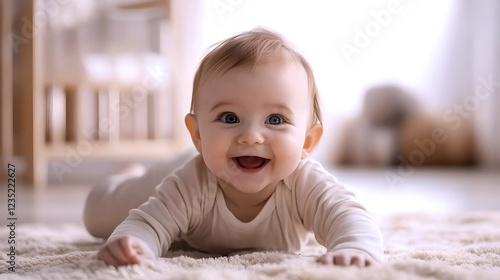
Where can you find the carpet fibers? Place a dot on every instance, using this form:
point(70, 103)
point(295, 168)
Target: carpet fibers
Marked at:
point(417, 246)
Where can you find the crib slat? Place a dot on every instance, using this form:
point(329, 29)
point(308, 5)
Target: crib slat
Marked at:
point(56, 115)
point(126, 115)
point(102, 115)
point(6, 98)
point(28, 86)
point(114, 114)
point(140, 115)
point(72, 109)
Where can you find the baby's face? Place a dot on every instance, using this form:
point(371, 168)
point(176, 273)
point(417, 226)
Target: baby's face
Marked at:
point(253, 123)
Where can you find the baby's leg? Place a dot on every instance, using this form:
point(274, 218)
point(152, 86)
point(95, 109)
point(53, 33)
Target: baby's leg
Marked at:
point(109, 202)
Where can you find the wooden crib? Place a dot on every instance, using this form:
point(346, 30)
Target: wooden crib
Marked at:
point(52, 119)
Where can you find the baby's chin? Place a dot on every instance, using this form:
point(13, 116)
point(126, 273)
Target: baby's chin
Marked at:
point(243, 182)
point(249, 188)
point(244, 185)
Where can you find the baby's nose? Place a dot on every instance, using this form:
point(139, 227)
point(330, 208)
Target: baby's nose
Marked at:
point(251, 136)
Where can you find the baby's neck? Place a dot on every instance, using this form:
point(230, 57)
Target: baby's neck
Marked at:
point(246, 200)
point(246, 206)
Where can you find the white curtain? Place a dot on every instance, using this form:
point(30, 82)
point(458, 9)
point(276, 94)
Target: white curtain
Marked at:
point(466, 76)
point(486, 38)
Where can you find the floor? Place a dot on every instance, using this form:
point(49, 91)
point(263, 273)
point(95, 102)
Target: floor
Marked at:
point(380, 190)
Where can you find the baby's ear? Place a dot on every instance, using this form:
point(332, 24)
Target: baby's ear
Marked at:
point(312, 139)
point(194, 130)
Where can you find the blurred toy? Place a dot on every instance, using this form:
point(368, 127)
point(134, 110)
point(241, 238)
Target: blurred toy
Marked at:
point(393, 130)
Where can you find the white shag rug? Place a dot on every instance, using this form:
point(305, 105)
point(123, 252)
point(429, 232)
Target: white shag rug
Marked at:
point(418, 246)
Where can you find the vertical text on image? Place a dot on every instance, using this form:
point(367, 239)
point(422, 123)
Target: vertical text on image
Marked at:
point(11, 217)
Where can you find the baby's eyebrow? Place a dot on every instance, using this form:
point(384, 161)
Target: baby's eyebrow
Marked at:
point(219, 104)
point(281, 107)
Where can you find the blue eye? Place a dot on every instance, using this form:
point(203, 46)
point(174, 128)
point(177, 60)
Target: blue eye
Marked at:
point(274, 120)
point(229, 118)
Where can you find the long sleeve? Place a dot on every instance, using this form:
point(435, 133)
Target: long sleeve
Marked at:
point(170, 213)
point(337, 219)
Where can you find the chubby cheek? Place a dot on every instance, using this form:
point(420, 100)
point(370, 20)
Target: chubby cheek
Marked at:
point(287, 151)
point(215, 146)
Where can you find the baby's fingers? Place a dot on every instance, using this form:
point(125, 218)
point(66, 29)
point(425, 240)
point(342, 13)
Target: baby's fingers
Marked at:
point(358, 261)
point(331, 259)
point(342, 260)
point(325, 259)
point(107, 257)
point(120, 251)
point(128, 251)
point(345, 259)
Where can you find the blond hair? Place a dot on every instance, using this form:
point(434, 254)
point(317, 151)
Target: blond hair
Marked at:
point(249, 48)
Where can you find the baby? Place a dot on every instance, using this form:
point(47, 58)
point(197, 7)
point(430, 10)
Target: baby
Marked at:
point(255, 119)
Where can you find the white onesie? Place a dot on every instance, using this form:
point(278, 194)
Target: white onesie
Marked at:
point(189, 205)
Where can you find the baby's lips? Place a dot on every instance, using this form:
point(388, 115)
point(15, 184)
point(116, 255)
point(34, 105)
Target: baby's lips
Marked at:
point(250, 162)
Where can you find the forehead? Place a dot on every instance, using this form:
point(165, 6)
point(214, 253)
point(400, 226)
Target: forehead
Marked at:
point(272, 81)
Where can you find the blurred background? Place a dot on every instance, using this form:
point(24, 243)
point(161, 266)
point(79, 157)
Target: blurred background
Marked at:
point(410, 90)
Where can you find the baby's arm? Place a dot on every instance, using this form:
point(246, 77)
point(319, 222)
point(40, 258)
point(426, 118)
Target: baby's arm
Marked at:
point(145, 233)
point(339, 222)
point(149, 230)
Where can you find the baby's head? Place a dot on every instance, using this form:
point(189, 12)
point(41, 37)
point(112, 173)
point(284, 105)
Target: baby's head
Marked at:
point(255, 111)
point(249, 49)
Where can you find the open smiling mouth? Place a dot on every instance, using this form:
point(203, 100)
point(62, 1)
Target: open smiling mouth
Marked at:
point(250, 163)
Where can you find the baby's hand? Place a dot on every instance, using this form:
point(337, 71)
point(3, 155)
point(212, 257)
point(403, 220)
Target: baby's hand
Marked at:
point(124, 250)
point(347, 257)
